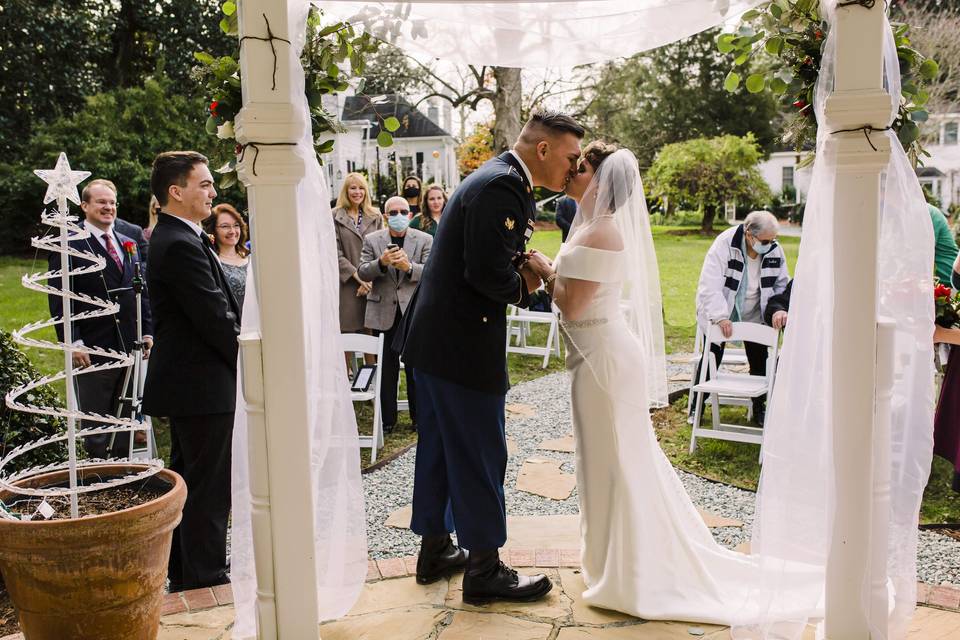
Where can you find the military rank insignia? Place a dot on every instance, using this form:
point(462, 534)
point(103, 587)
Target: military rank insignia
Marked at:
point(509, 224)
point(529, 231)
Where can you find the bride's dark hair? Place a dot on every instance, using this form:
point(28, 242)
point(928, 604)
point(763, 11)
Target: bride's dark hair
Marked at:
point(598, 151)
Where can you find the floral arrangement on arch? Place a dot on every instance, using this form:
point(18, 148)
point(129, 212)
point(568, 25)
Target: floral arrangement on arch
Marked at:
point(788, 36)
point(330, 50)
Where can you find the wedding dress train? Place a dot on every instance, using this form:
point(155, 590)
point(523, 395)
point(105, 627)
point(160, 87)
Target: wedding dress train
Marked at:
point(645, 549)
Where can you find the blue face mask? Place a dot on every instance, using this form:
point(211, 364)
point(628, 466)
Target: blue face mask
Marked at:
point(398, 223)
point(762, 248)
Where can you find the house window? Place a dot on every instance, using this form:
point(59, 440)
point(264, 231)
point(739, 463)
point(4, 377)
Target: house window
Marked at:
point(788, 176)
point(950, 133)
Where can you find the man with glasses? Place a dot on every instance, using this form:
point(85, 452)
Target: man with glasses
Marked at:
point(744, 268)
point(392, 259)
point(100, 391)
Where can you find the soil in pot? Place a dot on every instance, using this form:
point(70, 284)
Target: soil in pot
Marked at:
point(93, 503)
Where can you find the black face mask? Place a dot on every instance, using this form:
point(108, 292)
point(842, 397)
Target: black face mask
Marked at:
point(411, 192)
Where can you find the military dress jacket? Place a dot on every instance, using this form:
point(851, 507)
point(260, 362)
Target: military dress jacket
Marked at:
point(455, 325)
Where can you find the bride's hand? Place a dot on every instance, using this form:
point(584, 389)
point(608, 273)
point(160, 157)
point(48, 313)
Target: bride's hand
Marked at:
point(540, 264)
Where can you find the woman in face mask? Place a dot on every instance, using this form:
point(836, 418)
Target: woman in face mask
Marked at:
point(411, 191)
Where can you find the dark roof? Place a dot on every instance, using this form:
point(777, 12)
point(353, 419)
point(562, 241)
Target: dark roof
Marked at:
point(929, 172)
point(413, 124)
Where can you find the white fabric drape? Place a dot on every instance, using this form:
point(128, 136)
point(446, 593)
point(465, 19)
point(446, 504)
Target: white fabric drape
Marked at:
point(534, 34)
point(336, 487)
point(794, 518)
point(793, 521)
point(617, 188)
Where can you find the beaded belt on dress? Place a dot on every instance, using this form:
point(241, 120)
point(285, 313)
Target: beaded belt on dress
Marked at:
point(583, 324)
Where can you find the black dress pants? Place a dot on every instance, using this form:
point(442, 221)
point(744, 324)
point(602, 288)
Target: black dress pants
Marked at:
point(389, 376)
point(200, 452)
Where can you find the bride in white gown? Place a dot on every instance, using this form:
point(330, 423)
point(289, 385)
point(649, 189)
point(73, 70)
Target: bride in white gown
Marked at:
point(645, 549)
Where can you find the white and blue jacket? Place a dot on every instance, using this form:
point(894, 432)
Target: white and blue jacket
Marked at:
point(722, 274)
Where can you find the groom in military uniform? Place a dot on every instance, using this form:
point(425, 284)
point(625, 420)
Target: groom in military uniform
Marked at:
point(454, 337)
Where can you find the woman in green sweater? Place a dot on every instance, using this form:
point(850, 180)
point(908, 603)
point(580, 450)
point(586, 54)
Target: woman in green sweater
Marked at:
point(432, 202)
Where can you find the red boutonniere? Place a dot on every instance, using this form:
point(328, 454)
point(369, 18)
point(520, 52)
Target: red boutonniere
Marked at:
point(130, 248)
point(213, 107)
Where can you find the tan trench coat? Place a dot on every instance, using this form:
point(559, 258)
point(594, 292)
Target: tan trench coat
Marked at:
point(349, 245)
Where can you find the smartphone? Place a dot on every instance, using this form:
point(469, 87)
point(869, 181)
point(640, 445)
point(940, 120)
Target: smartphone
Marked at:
point(391, 246)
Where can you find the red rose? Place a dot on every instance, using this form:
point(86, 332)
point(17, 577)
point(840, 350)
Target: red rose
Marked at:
point(941, 291)
point(213, 107)
point(130, 248)
point(800, 104)
point(818, 34)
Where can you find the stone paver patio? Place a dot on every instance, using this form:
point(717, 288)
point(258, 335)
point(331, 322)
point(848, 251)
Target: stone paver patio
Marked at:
point(400, 609)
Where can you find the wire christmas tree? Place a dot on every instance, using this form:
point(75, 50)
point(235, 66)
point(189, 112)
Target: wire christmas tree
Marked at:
point(62, 186)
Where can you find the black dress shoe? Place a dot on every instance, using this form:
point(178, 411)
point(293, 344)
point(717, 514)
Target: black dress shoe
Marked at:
point(439, 558)
point(487, 579)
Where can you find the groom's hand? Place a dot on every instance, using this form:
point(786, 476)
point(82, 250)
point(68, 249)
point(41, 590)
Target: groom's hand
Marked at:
point(530, 278)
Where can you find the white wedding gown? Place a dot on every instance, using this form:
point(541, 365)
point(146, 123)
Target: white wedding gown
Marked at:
point(645, 550)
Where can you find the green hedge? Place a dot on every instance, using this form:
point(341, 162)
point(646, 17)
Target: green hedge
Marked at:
point(116, 136)
point(17, 428)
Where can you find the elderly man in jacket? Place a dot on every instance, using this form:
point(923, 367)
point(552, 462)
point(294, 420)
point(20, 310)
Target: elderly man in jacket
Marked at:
point(743, 269)
point(392, 259)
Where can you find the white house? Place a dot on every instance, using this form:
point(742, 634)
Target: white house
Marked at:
point(941, 171)
point(780, 170)
point(421, 146)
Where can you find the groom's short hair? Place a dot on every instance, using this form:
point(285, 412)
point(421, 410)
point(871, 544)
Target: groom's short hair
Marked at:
point(551, 122)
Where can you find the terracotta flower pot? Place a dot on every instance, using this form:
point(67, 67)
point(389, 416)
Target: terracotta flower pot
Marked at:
point(100, 577)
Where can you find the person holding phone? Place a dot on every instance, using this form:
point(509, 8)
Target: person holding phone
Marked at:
point(392, 260)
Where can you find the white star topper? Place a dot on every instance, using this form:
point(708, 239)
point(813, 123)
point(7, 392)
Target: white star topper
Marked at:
point(63, 182)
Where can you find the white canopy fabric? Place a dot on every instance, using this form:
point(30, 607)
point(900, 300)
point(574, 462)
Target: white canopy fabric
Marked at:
point(541, 34)
point(534, 34)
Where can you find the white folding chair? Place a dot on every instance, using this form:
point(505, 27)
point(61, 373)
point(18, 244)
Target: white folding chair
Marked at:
point(519, 329)
point(732, 357)
point(360, 343)
point(732, 385)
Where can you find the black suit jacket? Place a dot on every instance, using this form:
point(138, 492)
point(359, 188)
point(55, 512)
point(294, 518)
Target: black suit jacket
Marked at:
point(193, 365)
point(455, 325)
point(118, 331)
point(135, 232)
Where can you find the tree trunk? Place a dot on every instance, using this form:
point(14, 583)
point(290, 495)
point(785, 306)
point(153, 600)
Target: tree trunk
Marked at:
point(506, 108)
point(709, 213)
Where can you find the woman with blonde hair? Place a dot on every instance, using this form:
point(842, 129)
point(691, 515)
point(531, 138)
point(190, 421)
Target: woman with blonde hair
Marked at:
point(154, 212)
point(354, 217)
point(432, 202)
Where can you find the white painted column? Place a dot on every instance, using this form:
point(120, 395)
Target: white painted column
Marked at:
point(858, 100)
point(279, 436)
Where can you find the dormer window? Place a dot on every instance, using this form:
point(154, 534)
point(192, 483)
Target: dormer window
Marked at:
point(950, 132)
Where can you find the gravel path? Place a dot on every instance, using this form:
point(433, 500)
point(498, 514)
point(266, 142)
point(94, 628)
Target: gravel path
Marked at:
point(390, 488)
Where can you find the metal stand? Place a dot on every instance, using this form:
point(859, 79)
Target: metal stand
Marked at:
point(131, 398)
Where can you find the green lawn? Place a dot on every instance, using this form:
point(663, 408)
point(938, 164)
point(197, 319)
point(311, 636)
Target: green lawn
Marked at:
point(19, 306)
point(680, 253)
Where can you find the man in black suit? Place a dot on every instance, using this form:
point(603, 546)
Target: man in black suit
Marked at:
point(100, 391)
point(453, 337)
point(192, 377)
